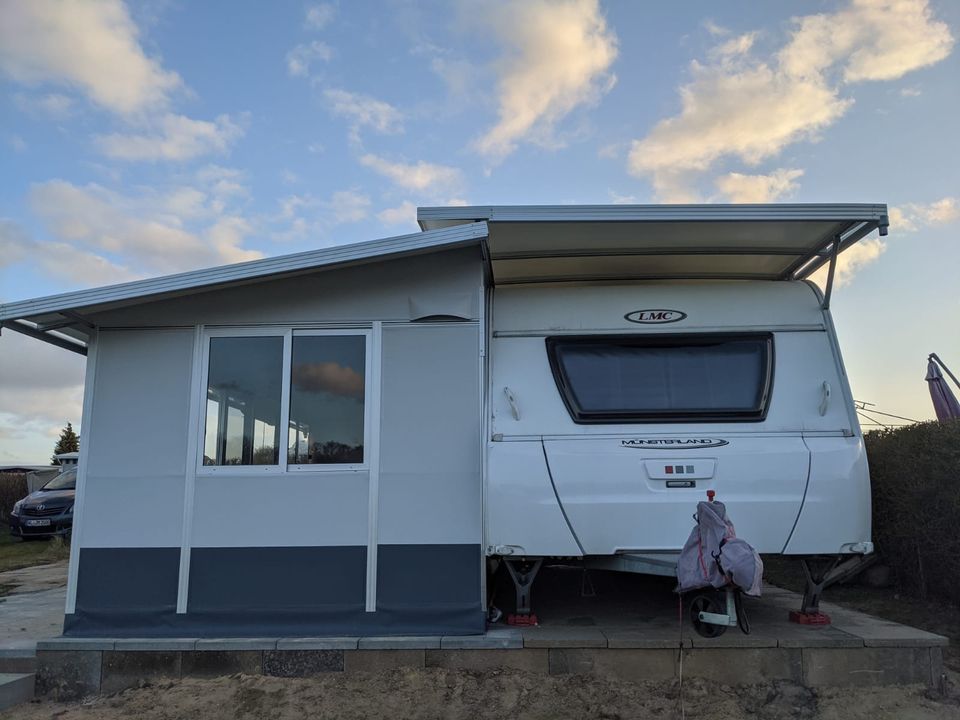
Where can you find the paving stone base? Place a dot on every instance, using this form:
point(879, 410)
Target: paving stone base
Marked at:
point(70, 674)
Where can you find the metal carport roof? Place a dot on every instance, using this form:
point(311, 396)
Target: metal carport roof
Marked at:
point(632, 242)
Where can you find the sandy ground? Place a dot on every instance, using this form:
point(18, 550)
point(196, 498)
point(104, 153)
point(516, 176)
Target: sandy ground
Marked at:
point(422, 694)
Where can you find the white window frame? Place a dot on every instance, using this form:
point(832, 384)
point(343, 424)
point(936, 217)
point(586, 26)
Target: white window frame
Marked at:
point(286, 333)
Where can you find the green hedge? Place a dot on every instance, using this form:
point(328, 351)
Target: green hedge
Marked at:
point(915, 472)
point(13, 487)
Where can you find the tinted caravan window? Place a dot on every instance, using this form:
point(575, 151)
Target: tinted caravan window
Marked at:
point(673, 378)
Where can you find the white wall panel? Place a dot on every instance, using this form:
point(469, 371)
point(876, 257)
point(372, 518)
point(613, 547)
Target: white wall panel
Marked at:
point(136, 439)
point(430, 435)
point(133, 511)
point(301, 509)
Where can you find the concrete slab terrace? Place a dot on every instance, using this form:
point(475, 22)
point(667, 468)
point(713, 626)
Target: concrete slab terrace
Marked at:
point(32, 610)
point(623, 626)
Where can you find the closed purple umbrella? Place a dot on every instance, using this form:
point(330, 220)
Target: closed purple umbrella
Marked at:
point(944, 401)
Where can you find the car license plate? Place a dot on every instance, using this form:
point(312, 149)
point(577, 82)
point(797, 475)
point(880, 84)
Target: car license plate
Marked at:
point(37, 523)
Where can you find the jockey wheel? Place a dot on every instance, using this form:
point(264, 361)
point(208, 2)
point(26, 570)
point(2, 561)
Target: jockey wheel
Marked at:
point(712, 606)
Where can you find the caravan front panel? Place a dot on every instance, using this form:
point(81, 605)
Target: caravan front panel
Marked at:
point(630, 401)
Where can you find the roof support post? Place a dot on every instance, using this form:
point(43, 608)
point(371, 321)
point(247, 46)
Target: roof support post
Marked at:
point(828, 291)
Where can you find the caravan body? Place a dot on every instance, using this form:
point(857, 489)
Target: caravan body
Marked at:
point(639, 356)
point(614, 407)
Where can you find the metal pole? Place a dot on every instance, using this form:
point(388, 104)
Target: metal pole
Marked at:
point(938, 361)
point(834, 251)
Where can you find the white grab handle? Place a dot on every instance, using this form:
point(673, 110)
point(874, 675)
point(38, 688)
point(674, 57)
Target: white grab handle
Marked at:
point(512, 399)
point(825, 398)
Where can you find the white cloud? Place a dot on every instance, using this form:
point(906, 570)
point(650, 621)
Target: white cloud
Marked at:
point(175, 137)
point(739, 45)
point(459, 75)
point(41, 389)
point(740, 188)
point(54, 105)
point(557, 56)
point(404, 214)
point(14, 243)
point(851, 261)
point(62, 261)
point(348, 206)
point(910, 92)
point(365, 111)
point(910, 217)
point(80, 267)
point(320, 15)
point(135, 234)
point(914, 216)
point(414, 176)
point(300, 58)
point(749, 108)
point(870, 40)
point(223, 183)
point(17, 143)
point(307, 216)
point(94, 47)
point(91, 46)
point(619, 199)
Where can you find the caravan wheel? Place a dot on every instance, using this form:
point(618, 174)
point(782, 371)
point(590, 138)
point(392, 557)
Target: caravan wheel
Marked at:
point(706, 603)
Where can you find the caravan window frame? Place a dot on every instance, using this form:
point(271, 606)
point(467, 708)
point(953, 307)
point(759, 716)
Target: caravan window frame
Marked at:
point(580, 417)
point(282, 466)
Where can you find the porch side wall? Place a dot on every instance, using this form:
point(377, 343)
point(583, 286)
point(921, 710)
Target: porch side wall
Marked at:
point(287, 554)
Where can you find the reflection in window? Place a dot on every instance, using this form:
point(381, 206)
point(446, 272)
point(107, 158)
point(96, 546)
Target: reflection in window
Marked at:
point(243, 401)
point(327, 399)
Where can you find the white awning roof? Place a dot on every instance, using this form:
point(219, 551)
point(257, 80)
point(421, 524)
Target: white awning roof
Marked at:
point(634, 242)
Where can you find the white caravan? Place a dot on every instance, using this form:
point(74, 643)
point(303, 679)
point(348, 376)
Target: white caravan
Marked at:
point(636, 365)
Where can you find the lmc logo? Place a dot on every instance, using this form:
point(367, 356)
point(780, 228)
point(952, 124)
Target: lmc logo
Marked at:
point(654, 317)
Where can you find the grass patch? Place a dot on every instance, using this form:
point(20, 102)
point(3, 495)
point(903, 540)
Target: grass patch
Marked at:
point(16, 554)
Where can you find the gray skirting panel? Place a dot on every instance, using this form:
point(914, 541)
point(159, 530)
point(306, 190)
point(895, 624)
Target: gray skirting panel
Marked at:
point(278, 591)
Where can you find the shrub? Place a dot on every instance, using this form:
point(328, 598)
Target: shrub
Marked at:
point(915, 472)
point(13, 487)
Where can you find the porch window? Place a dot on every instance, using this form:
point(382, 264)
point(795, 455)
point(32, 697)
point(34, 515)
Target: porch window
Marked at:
point(243, 401)
point(327, 392)
point(285, 399)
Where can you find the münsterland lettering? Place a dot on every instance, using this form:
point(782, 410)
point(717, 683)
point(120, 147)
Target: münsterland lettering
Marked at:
point(673, 443)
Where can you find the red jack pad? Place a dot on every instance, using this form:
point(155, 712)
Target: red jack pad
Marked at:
point(522, 620)
point(810, 618)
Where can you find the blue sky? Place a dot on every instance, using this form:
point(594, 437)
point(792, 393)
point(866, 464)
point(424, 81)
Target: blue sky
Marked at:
point(150, 137)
